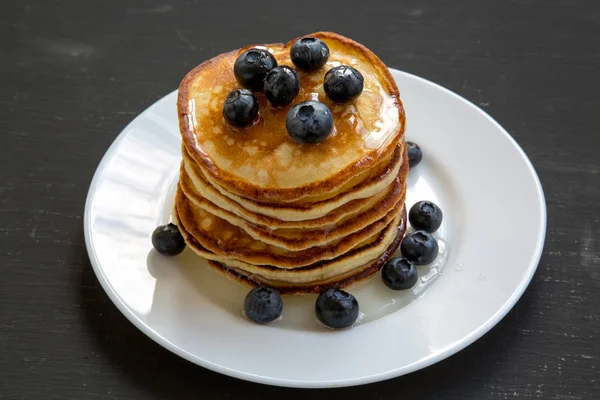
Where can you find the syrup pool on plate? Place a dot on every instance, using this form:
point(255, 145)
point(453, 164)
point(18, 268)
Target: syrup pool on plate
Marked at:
point(375, 299)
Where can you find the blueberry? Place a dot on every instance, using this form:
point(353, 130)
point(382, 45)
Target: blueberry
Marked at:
point(415, 155)
point(336, 308)
point(240, 108)
point(343, 84)
point(399, 274)
point(425, 216)
point(251, 68)
point(263, 305)
point(309, 122)
point(309, 53)
point(167, 240)
point(419, 247)
point(282, 86)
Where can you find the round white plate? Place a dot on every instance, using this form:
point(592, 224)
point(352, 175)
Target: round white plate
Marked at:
point(472, 168)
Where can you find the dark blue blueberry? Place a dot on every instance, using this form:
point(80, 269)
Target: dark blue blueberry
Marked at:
point(309, 122)
point(240, 108)
point(415, 155)
point(419, 247)
point(309, 53)
point(263, 305)
point(251, 68)
point(167, 240)
point(336, 308)
point(425, 216)
point(343, 84)
point(282, 86)
point(399, 274)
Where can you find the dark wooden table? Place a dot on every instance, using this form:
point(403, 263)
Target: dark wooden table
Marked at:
point(74, 73)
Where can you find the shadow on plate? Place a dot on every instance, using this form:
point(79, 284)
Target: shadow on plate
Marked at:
point(186, 279)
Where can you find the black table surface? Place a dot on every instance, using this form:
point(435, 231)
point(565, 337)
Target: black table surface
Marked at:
point(74, 73)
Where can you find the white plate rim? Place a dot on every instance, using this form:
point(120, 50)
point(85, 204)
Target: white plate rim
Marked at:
point(423, 363)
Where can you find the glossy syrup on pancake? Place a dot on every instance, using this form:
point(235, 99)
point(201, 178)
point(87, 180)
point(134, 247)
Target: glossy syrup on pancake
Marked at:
point(262, 162)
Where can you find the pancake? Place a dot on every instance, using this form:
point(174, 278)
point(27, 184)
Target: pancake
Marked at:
point(263, 209)
point(367, 251)
point(286, 286)
point(316, 277)
point(299, 238)
point(295, 212)
point(262, 162)
point(227, 240)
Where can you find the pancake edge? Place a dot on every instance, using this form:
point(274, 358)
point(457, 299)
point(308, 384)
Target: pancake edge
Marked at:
point(361, 276)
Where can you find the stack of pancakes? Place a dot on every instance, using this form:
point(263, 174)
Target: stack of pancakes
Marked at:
point(265, 210)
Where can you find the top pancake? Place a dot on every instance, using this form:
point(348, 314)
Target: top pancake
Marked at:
point(262, 162)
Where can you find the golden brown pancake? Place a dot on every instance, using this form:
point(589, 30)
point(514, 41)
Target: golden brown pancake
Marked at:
point(227, 240)
point(262, 162)
point(265, 210)
point(288, 286)
point(363, 253)
point(302, 238)
point(300, 214)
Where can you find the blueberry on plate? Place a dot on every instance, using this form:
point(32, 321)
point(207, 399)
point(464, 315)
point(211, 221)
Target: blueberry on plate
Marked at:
point(251, 68)
point(419, 247)
point(425, 216)
point(309, 53)
point(399, 274)
point(263, 305)
point(343, 84)
point(167, 240)
point(282, 86)
point(309, 122)
point(415, 155)
point(240, 108)
point(336, 308)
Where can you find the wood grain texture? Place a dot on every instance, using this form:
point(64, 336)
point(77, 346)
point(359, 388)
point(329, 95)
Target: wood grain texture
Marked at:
point(74, 73)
